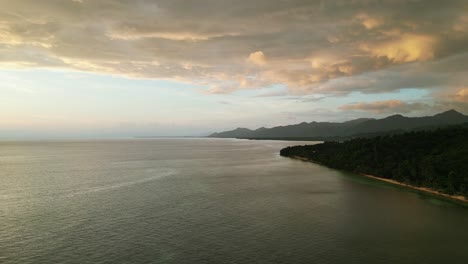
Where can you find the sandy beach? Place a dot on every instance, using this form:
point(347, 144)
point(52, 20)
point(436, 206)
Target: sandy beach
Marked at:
point(423, 189)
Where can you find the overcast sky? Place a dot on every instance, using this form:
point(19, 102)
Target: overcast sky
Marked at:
point(98, 68)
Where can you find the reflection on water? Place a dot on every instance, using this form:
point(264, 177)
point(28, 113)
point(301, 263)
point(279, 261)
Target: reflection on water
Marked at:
point(209, 201)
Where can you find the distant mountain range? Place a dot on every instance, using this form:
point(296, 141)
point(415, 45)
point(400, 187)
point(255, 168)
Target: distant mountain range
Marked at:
point(358, 127)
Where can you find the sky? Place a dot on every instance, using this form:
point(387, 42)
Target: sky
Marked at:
point(122, 68)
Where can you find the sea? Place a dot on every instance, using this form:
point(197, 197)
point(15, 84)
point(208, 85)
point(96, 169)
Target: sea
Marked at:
point(191, 200)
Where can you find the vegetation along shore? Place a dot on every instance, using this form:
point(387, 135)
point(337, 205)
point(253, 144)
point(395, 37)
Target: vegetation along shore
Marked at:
point(432, 161)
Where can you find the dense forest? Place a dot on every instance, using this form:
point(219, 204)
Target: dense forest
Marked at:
point(437, 159)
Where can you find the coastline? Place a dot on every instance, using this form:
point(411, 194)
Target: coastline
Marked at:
point(457, 198)
point(423, 189)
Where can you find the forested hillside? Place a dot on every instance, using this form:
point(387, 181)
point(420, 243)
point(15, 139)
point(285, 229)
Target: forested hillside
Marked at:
point(350, 129)
point(437, 159)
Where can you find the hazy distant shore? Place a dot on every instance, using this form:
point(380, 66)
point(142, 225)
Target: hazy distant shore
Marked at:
point(458, 198)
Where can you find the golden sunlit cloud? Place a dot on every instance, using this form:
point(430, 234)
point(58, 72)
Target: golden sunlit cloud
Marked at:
point(190, 36)
point(462, 95)
point(304, 49)
point(389, 106)
point(257, 58)
point(368, 21)
point(407, 48)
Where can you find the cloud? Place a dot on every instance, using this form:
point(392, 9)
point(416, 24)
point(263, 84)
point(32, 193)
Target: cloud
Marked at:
point(455, 98)
point(257, 58)
point(324, 47)
point(389, 106)
point(462, 95)
point(461, 25)
point(369, 22)
point(407, 48)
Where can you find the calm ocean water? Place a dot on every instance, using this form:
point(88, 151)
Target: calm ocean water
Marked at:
point(209, 201)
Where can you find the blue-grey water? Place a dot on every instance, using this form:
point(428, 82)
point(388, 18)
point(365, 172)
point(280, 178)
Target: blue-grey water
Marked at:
point(209, 201)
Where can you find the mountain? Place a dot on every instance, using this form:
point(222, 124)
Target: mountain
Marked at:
point(361, 126)
point(393, 122)
point(236, 133)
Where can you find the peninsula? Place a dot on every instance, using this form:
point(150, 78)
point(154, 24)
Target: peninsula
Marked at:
point(434, 161)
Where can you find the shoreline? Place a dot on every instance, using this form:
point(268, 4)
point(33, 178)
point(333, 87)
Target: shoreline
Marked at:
point(423, 189)
point(457, 198)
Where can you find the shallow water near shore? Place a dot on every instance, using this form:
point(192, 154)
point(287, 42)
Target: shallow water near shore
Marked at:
point(209, 201)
